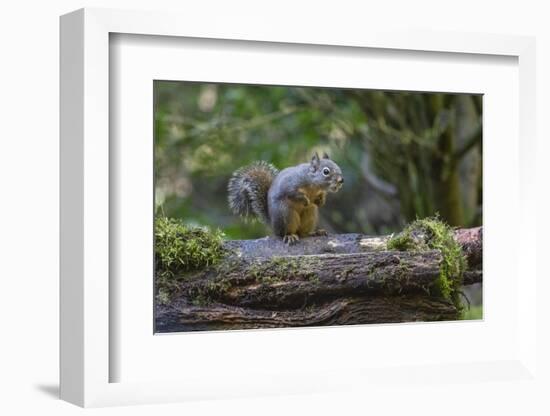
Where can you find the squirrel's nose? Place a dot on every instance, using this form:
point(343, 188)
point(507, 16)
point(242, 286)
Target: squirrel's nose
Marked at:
point(340, 180)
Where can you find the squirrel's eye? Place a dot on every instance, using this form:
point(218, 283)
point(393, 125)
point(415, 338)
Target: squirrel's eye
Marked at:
point(326, 171)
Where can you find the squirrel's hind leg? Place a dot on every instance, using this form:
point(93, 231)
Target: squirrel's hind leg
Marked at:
point(308, 224)
point(285, 222)
point(308, 221)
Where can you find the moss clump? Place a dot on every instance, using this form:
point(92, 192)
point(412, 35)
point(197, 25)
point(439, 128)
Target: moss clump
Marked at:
point(180, 248)
point(279, 269)
point(434, 234)
point(294, 267)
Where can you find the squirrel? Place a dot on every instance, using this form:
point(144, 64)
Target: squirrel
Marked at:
point(288, 200)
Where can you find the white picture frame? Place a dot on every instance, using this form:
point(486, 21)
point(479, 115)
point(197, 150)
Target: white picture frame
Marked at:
point(87, 355)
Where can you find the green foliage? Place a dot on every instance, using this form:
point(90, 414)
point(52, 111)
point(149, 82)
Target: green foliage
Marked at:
point(403, 154)
point(419, 143)
point(434, 234)
point(180, 248)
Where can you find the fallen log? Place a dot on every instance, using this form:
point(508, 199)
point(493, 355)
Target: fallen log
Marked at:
point(293, 281)
point(469, 238)
point(347, 311)
point(332, 280)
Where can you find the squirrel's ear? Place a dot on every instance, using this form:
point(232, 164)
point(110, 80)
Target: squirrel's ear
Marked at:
point(325, 155)
point(315, 161)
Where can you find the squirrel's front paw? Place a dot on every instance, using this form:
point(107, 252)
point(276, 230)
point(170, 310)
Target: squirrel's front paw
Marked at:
point(320, 200)
point(320, 232)
point(290, 239)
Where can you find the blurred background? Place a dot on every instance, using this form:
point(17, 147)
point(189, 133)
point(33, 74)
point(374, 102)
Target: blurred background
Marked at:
point(404, 155)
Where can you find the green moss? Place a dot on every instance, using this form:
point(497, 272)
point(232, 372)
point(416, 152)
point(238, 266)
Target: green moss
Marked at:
point(475, 312)
point(434, 234)
point(278, 269)
point(180, 248)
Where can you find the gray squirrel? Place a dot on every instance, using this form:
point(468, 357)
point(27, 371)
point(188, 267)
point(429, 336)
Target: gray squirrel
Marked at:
point(287, 200)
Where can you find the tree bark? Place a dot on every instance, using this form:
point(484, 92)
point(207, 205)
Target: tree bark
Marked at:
point(347, 311)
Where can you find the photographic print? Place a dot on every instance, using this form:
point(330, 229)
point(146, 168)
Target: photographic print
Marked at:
point(286, 206)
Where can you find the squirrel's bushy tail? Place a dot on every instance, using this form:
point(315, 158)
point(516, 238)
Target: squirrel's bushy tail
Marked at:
point(248, 189)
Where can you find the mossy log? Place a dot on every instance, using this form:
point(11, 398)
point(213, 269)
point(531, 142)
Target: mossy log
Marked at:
point(469, 238)
point(337, 279)
point(294, 281)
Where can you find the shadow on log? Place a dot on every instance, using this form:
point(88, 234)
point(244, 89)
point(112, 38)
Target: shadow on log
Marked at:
point(333, 280)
